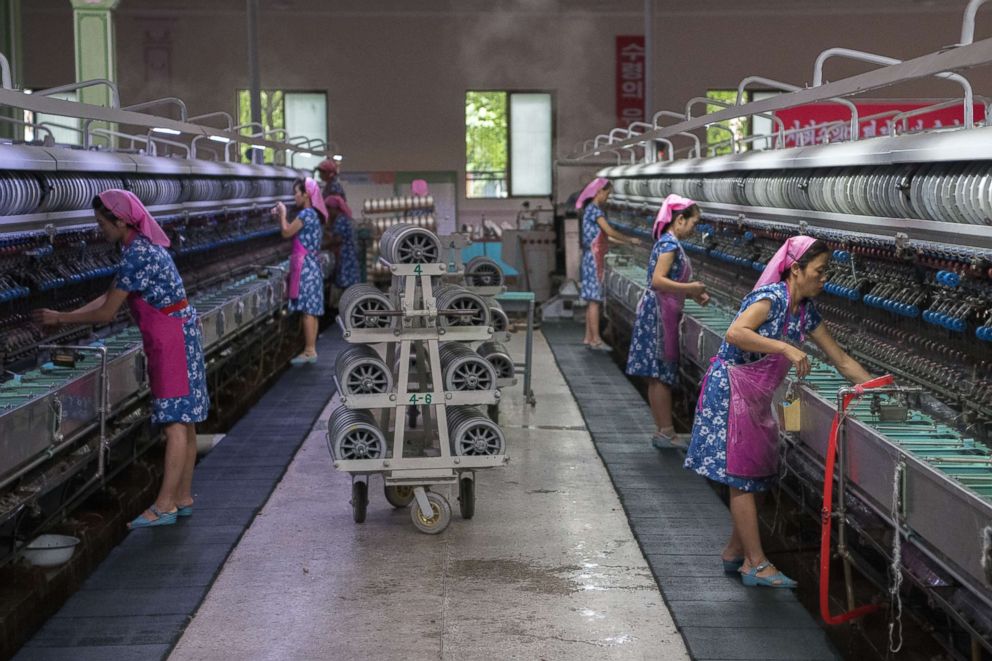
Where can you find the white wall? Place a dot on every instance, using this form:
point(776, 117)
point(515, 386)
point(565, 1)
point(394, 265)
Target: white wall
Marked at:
point(396, 72)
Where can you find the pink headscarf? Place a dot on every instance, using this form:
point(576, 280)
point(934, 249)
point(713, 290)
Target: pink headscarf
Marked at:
point(126, 206)
point(671, 204)
point(590, 191)
point(329, 166)
point(316, 200)
point(790, 252)
point(338, 202)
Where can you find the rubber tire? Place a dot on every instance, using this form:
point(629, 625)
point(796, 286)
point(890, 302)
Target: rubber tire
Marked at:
point(441, 516)
point(466, 497)
point(359, 500)
point(395, 497)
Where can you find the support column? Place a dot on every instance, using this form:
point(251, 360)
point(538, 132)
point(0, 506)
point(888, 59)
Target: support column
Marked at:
point(96, 49)
point(10, 46)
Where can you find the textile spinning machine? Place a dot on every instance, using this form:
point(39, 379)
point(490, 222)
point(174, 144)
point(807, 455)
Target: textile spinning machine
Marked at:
point(909, 293)
point(70, 418)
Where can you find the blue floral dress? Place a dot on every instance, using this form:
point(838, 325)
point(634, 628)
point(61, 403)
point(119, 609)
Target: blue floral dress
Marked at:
point(334, 187)
point(707, 453)
point(646, 354)
point(592, 286)
point(148, 270)
point(347, 267)
point(311, 300)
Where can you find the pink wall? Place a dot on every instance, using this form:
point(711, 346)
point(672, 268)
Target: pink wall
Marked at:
point(396, 79)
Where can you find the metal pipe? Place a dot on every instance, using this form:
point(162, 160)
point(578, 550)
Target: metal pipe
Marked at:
point(254, 75)
point(219, 113)
point(669, 113)
point(648, 56)
point(174, 143)
point(788, 87)
point(5, 77)
point(172, 100)
point(117, 134)
point(654, 156)
point(925, 110)
point(968, 22)
point(115, 99)
point(11, 120)
point(873, 58)
point(775, 119)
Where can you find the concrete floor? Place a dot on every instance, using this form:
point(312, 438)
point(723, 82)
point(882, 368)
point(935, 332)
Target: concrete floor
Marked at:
point(547, 569)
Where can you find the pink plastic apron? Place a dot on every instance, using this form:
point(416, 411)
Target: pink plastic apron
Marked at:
point(752, 427)
point(295, 269)
point(600, 245)
point(165, 348)
point(670, 315)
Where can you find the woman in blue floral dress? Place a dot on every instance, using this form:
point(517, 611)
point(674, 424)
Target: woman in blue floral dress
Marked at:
point(762, 344)
point(594, 233)
point(342, 242)
point(305, 289)
point(148, 280)
point(654, 344)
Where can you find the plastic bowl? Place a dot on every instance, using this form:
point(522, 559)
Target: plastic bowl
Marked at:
point(50, 550)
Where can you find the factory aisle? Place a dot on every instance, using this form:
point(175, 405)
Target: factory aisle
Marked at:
point(547, 569)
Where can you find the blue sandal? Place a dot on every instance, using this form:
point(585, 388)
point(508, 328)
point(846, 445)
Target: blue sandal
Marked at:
point(733, 566)
point(162, 519)
point(779, 580)
point(186, 510)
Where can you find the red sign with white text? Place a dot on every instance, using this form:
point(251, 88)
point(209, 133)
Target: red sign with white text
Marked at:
point(821, 123)
point(630, 79)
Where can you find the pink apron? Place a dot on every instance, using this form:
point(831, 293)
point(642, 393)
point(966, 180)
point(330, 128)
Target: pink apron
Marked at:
point(600, 245)
point(752, 428)
point(670, 315)
point(165, 347)
point(295, 269)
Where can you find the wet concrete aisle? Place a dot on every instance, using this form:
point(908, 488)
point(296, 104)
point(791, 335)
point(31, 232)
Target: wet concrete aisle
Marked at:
point(547, 569)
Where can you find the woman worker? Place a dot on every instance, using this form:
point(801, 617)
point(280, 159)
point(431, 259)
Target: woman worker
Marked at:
point(328, 172)
point(594, 233)
point(341, 233)
point(148, 280)
point(305, 283)
point(654, 344)
point(740, 449)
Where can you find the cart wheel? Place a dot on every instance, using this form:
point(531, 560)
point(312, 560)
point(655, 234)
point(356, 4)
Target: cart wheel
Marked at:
point(437, 520)
point(359, 500)
point(466, 497)
point(399, 496)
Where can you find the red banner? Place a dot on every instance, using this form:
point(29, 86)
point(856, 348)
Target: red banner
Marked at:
point(821, 123)
point(630, 79)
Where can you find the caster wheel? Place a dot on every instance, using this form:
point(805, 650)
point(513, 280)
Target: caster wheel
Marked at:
point(436, 520)
point(359, 500)
point(399, 496)
point(466, 497)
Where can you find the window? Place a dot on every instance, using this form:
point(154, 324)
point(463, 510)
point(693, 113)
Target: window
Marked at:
point(65, 130)
point(299, 113)
point(718, 134)
point(508, 144)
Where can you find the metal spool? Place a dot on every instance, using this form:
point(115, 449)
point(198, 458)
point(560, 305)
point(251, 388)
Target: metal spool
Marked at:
point(473, 434)
point(358, 306)
point(353, 434)
point(454, 297)
point(483, 272)
point(404, 243)
point(500, 322)
point(361, 371)
point(464, 369)
point(498, 357)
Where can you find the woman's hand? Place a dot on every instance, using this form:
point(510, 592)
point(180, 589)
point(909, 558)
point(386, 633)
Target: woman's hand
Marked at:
point(799, 360)
point(703, 299)
point(279, 210)
point(45, 317)
point(696, 290)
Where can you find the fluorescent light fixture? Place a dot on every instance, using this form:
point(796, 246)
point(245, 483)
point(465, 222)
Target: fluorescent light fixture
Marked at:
point(304, 153)
point(219, 138)
point(166, 131)
point(258, 147)
point(338, 157)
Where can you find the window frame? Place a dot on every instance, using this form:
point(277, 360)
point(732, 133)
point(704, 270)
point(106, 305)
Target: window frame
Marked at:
point(510, 195)
point(285, 91)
